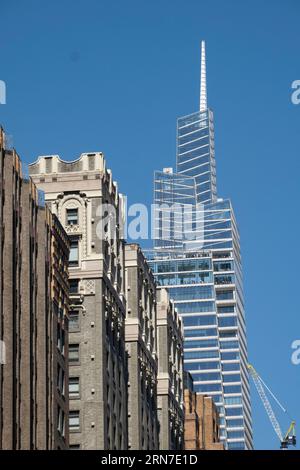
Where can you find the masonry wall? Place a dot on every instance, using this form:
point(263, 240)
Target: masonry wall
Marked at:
point(141, 330)
point(201, 426)
point(28, 406)
point(98, 407)
point(170, 373)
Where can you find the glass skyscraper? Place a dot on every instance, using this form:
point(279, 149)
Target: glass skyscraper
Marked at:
point(203, 273)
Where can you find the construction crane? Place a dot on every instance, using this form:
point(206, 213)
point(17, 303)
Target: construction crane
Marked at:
point(289, 439)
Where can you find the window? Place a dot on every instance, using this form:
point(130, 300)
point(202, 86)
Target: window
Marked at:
point(60, 339)
point(227, 321)
point(233, 401)
point(74, 446)
point(207, 388)
point(236, 446)
point(224, 295)
point(74, 320)
point(229, 356)
point(231, 378)
point(73, 387)
point(202, 365)
point(201, 332)
point(200, 354)
point(72, 216)
point(192, 307)
point(192, 293)
point(206, 376)
point(234, 411)
point(228, 334)
point(73, 257)
point(220, 280)
point(223, 266)
point(201, 343)
point(74, 421)
point(60, 421)
point(228, 366)
point(74, 353)
point(199, 320)
point(226, 309)
point(60, 380)
point(235, 434)
point(232, 389)
point(74, 284)
point(234, 423)
point(229, 344)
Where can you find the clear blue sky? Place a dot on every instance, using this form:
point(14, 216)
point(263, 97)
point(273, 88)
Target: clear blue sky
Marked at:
point(114, 76)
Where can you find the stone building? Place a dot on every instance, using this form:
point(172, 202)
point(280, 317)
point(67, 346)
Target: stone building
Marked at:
point(170, 373)
point(140, 336)
point(34, 252)
point(201, 427)
point(86, 200)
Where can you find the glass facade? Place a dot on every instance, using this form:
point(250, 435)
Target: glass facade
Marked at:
point(215, 348)
point(174, 204)
point(196, 153)
point(203, 274)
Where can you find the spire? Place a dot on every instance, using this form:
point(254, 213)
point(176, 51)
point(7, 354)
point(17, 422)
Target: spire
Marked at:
point(203, 90)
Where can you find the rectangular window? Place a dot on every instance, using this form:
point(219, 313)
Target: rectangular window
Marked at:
point(74, 421)
point(227, 321)
point(74, 253)
point(223, 266)
point(74, 320)
point(232, 389)
point(60, 339)
point(201, 354)
point(202, 365)
point(201, 343)
point(74, 353)
point(226, 309)
point(60, 380)
point(206, 376)
point(230, 356)
point(229, 366)
point(221, 280)
point(207, 388)
point(231, 378)
point(224, 295)
point(72, 216)
point(199, 320)
point(234, 423)
point(60, 421)
point(233, 401)
point(196, 333)
point(74, 387)
point(236, 446)
point(234, 411)
point(74, 284)
point(235, 434)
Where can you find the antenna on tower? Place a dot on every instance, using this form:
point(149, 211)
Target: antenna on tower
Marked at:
point(203, 89)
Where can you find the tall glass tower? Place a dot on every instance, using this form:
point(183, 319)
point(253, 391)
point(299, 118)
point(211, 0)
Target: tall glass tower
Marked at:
point(203, 273)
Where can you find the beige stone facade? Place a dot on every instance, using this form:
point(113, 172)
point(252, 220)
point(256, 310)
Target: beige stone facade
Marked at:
point(77, 192)
point(140, 328)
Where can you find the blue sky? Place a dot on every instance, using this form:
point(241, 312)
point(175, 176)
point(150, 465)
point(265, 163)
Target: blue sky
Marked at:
point(113, 76)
